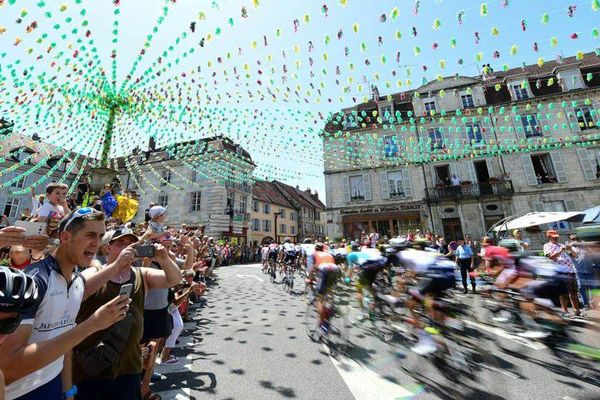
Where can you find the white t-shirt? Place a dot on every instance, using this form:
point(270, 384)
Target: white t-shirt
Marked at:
point(455, 181)
point(49, 211)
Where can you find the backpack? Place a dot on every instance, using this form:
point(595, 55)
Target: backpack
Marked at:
point(103, 355)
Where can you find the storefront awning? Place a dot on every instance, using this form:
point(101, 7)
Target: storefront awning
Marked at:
point(539, 218)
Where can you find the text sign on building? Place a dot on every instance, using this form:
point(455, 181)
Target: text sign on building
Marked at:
point(383, 209)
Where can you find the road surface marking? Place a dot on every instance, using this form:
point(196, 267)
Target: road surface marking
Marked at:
point(365, 384)
point(249, 276)
point(499, 332)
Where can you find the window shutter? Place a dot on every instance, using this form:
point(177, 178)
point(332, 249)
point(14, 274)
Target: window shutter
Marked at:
point(385, 190)
point(490, 167)
point(559, 166)
point(588, 164)
point(408, 191)
point(528, 169)
point(471, 170)
point(346, 188)
point(2, 204)
point(454, 170)
point(367, 186)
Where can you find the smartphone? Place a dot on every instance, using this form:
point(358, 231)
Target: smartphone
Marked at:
point(126, 289)
point(145, 251)
point(32, 228)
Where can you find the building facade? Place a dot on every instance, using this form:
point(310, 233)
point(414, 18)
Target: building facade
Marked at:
point(28, 162)
point(195, 181)
point(395, 163)
point(308, 208)
point(272, 217)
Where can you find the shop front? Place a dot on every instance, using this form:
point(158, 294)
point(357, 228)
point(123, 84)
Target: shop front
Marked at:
point(389, 220)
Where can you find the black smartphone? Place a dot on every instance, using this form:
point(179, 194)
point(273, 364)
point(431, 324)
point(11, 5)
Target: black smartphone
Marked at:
point(145, 250)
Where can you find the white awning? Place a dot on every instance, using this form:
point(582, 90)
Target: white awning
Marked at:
point(540, 218)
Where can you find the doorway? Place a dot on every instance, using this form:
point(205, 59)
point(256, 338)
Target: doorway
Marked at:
point(452, 229)
point(442, 173)
point(483, 177)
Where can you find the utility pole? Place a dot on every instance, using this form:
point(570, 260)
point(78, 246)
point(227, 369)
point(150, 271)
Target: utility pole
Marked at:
point(277, 215)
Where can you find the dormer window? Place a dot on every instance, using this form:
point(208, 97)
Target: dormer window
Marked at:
point(429, 105)
point(520, 92)
point(467, 100)
point(386, 112)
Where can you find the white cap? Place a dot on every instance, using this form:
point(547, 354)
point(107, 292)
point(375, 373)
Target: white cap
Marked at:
point(157, 211)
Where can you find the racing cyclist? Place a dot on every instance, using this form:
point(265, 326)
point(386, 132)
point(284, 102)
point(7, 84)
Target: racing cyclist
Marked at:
point(367, 263)
point(325, 268)
point(435, 274)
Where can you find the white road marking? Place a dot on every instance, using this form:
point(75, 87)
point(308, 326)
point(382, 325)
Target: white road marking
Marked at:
point(568, 398)
point(499, 332)
point(249, 276)
point(365, 384)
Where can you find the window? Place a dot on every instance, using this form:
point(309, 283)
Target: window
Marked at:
point(243, 204)
point(353, 153)
point(356, 188)
point(429, 105)
point(255, 225)
point(163, 200)
point(266, 225)
point(530, 125)
point(435, 134)
point(20, 183)
point(544, 170)
point(255, 206)
point(267, 208)
point(195, 201)
point(166, 178)
point(585, 120)
point(395, 183)
point(350, 121)
point(292, 215)
point(282, 213)
point(194, 176)
point(390, 146)
point(386, 112)
point(292, 230)
point(11, 208)
point(467, 100)
point(230, 200)
point(283, 228)
point(520, 92)
point(474, 133)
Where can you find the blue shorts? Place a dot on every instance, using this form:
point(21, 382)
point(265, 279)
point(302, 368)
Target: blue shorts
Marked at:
point(50, 391)
point(327, 278)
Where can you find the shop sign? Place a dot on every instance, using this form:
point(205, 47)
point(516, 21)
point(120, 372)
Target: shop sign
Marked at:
point(383, 209)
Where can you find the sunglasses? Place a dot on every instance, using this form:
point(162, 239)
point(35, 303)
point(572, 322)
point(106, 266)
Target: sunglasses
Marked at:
point(9, 325)
point(82, 212)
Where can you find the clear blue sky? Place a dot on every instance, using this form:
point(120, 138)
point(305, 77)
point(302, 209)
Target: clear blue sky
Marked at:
point(285, 145)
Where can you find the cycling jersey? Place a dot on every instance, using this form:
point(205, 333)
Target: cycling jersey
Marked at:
point(54, 314)
point(436, 271)
point(307, 250)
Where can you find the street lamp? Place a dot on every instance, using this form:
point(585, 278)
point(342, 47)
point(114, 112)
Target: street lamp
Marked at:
point(277, 215)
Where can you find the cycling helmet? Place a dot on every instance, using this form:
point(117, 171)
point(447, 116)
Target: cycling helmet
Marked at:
point(511, 244)
point(319, 246)
point(18, 291)
point(399, 243)
point(354, 246)
point(307, 241)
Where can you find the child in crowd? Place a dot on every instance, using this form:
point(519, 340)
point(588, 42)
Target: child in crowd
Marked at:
point(55, 208)
point(156, 228)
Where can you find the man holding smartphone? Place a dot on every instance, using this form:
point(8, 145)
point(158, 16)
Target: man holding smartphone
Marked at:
point(123, 379)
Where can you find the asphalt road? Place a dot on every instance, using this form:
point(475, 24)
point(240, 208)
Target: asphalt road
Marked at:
point(249, 341)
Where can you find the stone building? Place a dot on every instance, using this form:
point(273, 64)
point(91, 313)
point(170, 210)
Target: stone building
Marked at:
point(202, 183)
point(376, 179)
point(47, 163)
point(272, 216)
point(308, 208)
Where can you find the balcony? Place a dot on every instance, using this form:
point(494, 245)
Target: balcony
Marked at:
point(470, 190)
